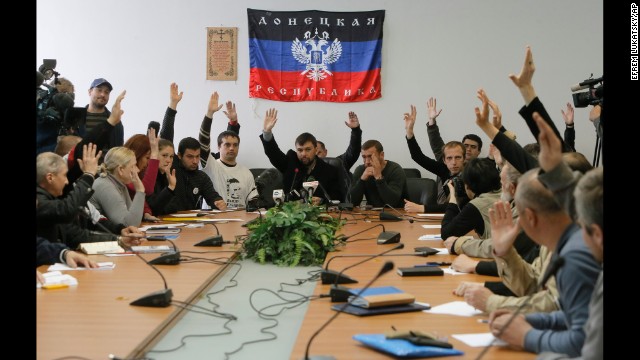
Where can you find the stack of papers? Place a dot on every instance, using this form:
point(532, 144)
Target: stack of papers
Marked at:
point(107, 265)
point(57, 278)
point(103, 247)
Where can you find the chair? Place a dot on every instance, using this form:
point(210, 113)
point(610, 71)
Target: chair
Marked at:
point(269, 180)
point(343, 175)
point(256, 172)
point(412, 173)
point(422, 191)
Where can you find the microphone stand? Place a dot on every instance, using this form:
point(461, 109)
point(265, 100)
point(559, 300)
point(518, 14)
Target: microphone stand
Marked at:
point(160, 298)
point(388, 266)
point(342, 293)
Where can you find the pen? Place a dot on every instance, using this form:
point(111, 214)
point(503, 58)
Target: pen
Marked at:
point(483, 321)
point(433, 263)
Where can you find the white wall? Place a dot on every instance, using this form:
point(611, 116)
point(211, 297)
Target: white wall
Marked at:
point(442, 48)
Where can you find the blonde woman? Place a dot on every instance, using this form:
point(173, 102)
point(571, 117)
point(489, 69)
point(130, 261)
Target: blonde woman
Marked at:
point(111, 196)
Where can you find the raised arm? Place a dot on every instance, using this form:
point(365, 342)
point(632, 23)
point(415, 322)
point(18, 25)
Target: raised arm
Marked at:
point(277, 158)
point(569, 131)
point(170, 114)
point(433, 132)
point(352, 153)
point(204, 136)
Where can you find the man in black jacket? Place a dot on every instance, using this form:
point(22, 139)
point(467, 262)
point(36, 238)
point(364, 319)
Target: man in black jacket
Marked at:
point(300, 165)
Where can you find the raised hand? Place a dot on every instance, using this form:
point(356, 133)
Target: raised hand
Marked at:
point(116, 110)
point(171, 177)
point(352, 122)
point(213, 104)
point(568, 116)
point(153, 141)
point(550, 147)
point(503, 229)
point(410, 121)
point(497, 114)
point(526, 73)
point(89, 161)
point(174, 96)
point(432, 111)
point(270, 119)
point(523, 80)
point(231, 113)
point(482, 116)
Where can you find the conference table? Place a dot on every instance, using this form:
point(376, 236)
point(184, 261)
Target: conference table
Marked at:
point(94, 318)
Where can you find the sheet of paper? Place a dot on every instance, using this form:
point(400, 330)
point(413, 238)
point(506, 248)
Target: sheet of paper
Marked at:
point(145, 228)
point(450, 271)
point(184, 215)
point(194, 226)
point(56, 277)
point(442, 251)
point(107, 265)
point(432, 226)
point(459, 308)
point(430, 237)
point(432, 216)
point(479, 340)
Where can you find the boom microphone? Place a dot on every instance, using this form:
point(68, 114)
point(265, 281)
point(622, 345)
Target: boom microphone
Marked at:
point(160, 298)
point(401, 215)
point(585, 84)
point(341, 293)
point(333, 277)
point(388, 266)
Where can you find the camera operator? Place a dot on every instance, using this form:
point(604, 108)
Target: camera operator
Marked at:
point(52, 105)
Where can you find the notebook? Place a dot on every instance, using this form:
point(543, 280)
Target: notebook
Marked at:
point(360, 311)
point(103, 247)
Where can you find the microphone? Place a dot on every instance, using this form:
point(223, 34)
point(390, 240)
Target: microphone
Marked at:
point(293, 183)
point(215, 240)
point(553, 268)
point(310, 187)
point(168, 258)
point(585, 84)
point(345, 238)
point(388, 266)
point(278, 197)
point(401, 215)
point(160, 298)
point(342, 293)
point(250, 208)
point(326, 196)
point(333, 277)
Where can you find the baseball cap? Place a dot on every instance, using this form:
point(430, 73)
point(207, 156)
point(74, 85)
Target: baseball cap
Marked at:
point(100, 81)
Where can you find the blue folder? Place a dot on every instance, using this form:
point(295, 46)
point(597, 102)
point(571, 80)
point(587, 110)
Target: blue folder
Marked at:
point(403, 348)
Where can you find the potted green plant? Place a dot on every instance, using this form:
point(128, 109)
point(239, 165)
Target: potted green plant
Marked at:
point(292, 234)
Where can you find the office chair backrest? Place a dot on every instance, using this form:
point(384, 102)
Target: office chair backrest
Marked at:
point(256, 172)
point(412, 173)
point(345, 179)
point(422, 191)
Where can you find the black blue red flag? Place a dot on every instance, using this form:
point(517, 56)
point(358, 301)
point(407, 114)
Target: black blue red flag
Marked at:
point(315, 55)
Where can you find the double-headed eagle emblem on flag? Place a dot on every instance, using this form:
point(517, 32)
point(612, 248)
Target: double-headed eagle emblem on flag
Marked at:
point(316, 54)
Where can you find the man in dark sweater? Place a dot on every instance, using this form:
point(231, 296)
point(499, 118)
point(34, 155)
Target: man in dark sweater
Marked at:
point(300, 165)
point(383, 182)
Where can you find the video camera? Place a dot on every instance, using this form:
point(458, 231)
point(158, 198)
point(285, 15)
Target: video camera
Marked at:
point(51, 105)
point(593, 96)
